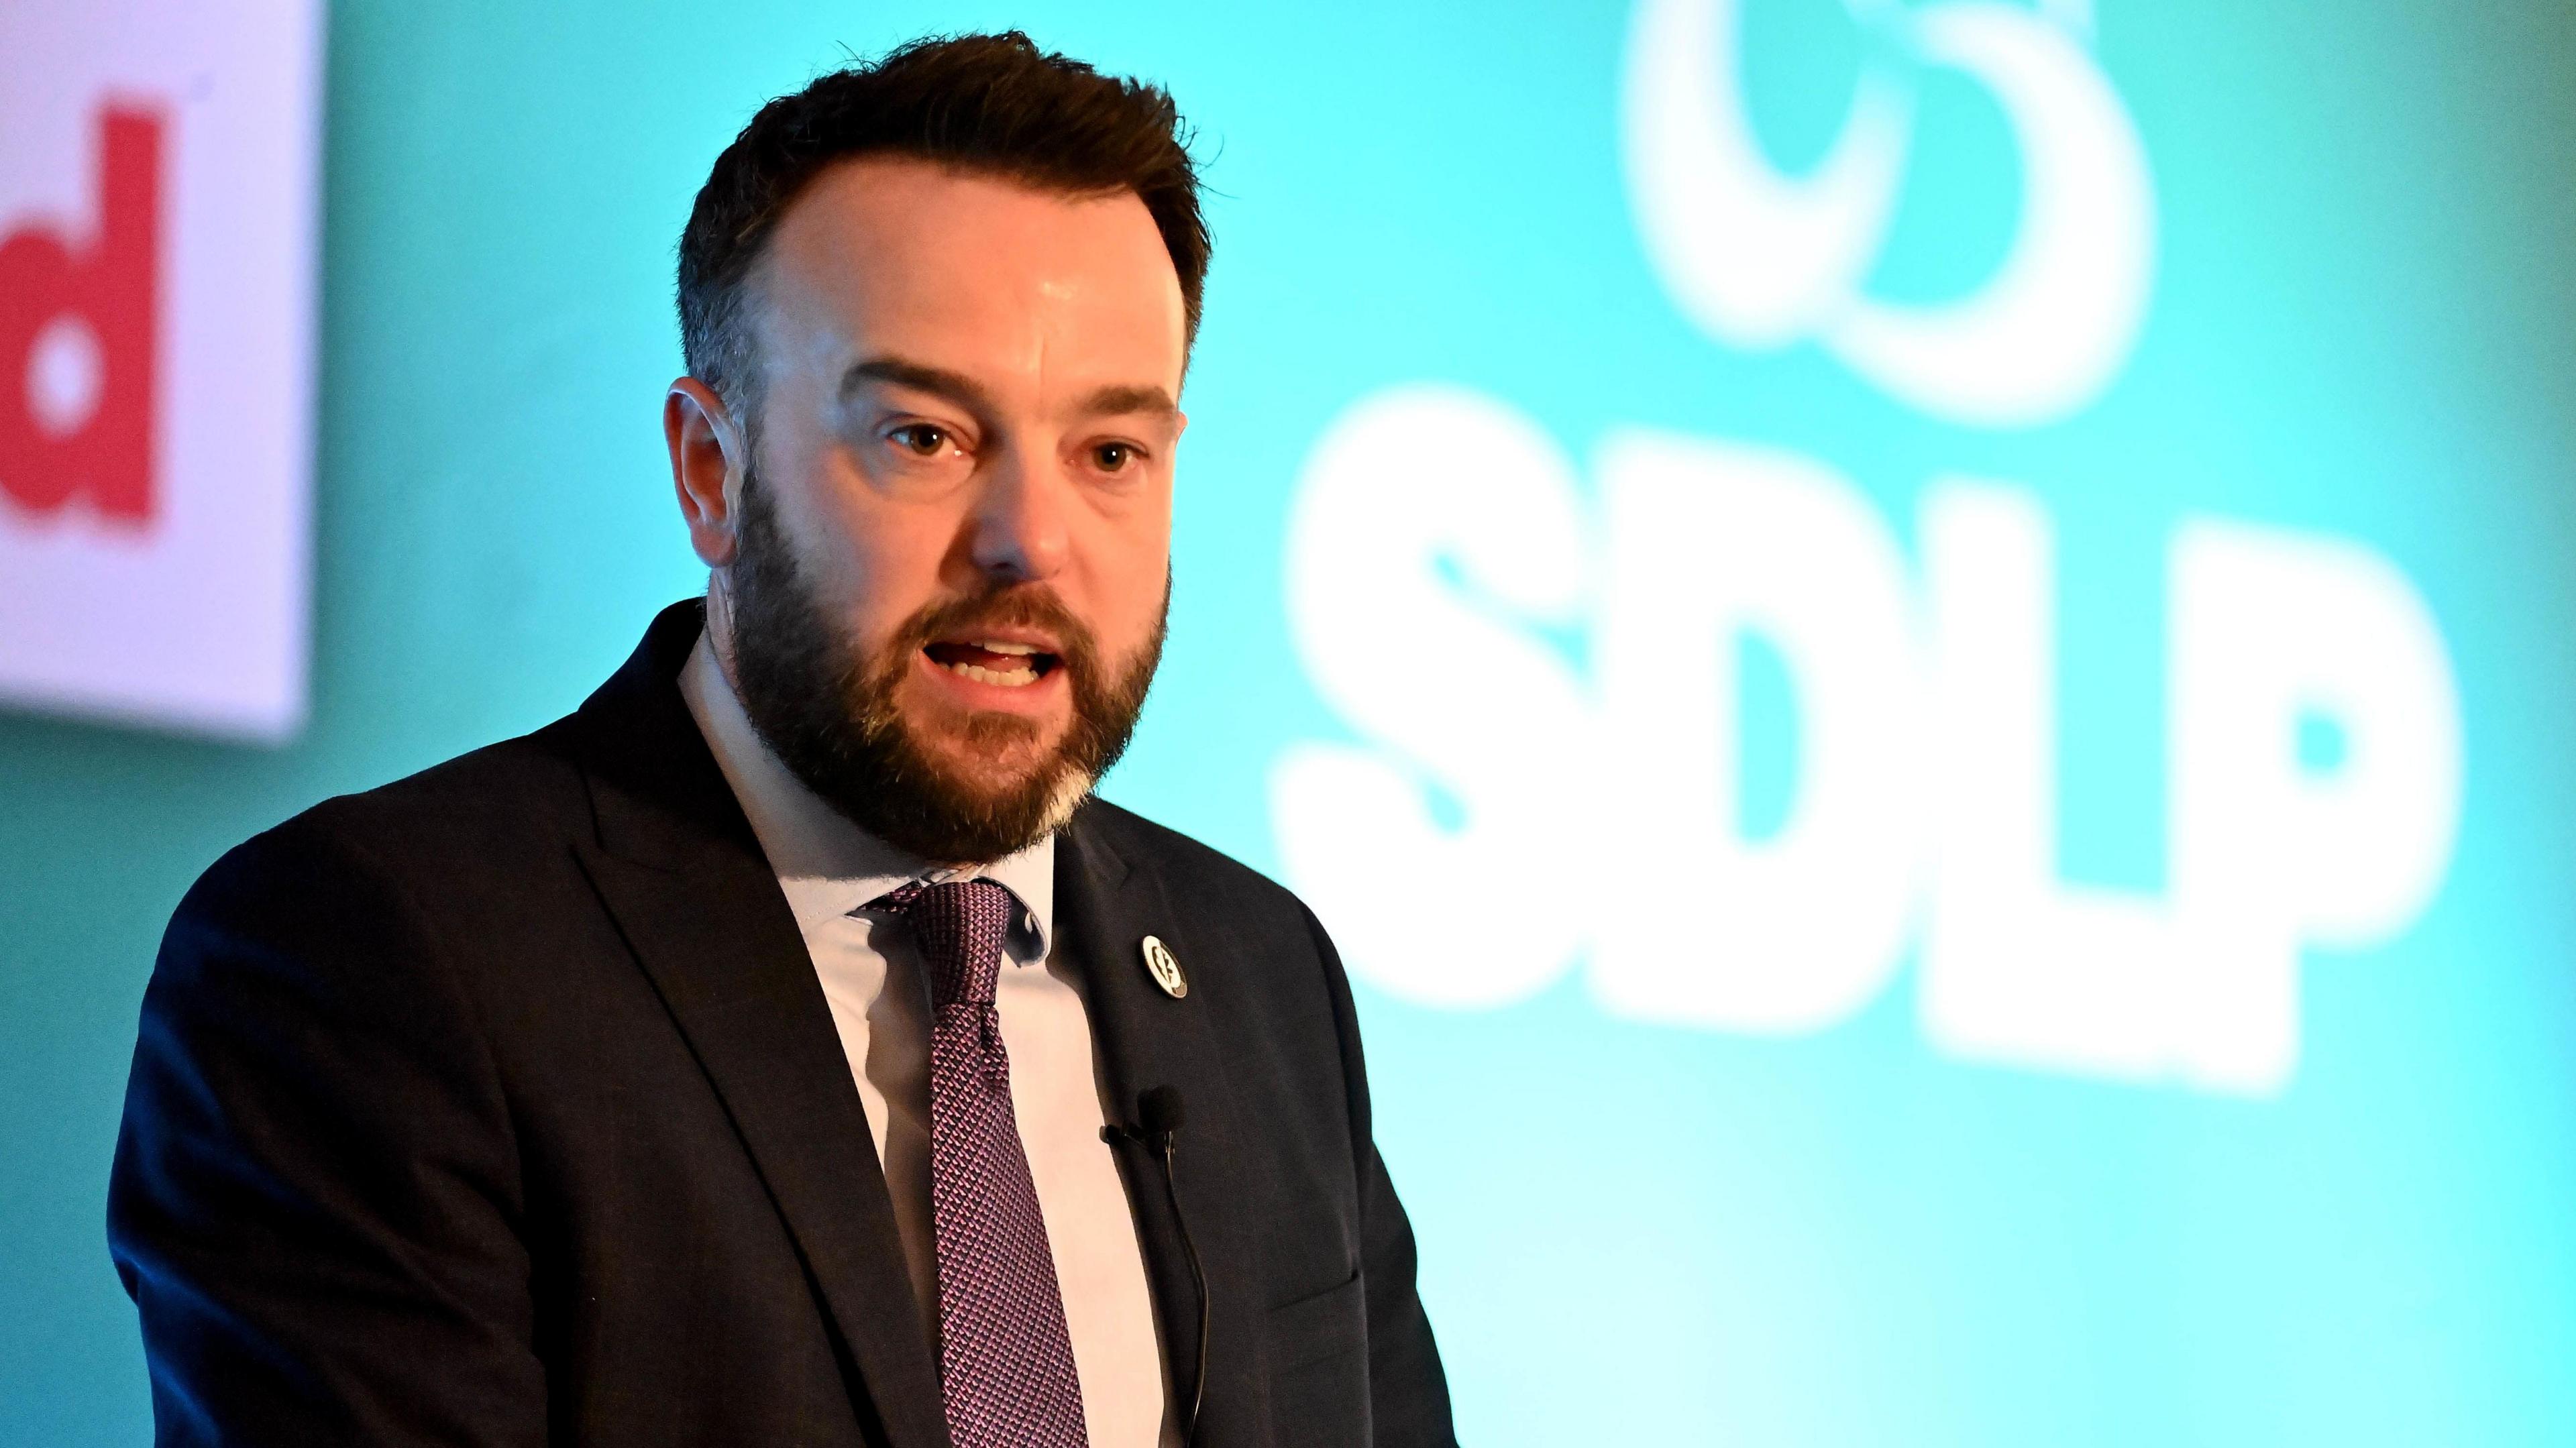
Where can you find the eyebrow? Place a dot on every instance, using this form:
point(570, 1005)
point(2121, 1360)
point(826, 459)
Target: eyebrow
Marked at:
point(1116, 399)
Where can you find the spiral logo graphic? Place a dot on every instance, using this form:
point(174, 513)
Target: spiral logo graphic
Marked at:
point(1758, 259)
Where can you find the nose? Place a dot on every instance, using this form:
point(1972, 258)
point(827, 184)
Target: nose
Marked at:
point(1017, 532)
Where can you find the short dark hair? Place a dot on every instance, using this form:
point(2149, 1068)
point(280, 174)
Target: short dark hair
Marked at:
point(988, 104)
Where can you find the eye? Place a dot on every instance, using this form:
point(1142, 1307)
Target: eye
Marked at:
point(921, 439)
point(1112, 457)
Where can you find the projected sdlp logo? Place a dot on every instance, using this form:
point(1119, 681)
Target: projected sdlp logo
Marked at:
point(157, 170)
point(1926, 797)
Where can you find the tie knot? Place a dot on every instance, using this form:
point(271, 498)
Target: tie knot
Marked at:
point(958, 926)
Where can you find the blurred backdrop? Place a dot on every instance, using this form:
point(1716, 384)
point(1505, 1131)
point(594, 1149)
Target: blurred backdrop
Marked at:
point(1963, 608)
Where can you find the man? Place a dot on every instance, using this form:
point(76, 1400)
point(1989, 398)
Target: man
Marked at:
point(785, 1048)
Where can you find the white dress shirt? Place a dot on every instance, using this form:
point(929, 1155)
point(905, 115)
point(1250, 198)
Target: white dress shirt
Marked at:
point(880, 999)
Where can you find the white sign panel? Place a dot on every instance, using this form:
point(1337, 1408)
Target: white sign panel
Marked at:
point(158, 215)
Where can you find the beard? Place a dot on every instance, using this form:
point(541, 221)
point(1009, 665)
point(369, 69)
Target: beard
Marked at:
point(835, 719)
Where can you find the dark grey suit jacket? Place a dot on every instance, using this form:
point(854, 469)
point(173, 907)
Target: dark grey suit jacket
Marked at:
point(501, 1105)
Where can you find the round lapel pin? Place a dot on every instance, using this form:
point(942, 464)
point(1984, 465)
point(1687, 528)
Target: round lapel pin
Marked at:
point(1165, 970)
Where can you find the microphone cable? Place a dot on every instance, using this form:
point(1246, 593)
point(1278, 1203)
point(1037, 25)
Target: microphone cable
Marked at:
point(1159, 1116)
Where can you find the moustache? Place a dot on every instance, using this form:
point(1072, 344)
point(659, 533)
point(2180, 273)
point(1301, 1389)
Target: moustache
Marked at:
point(1031, 607)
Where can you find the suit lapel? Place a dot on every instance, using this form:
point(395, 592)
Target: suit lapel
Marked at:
point(1106, 904)
point(678, 867)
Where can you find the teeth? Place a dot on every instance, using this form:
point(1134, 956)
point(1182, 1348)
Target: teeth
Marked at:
point(996, 646)
point(1010, 680)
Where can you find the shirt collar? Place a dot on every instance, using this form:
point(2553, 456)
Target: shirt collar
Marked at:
point(826, 865)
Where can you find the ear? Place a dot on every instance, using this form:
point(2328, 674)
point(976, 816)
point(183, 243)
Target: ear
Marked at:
point(709, 459)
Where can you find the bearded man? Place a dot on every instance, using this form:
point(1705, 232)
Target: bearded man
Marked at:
point(786, 1047)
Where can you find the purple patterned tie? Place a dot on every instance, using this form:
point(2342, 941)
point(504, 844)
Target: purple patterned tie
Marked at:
point(1005, 1359)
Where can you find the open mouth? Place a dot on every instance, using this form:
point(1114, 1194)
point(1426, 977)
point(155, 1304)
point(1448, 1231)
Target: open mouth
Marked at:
point(999, 662)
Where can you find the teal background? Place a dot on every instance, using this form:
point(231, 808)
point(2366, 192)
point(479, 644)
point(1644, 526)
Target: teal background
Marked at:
point(2362, 325)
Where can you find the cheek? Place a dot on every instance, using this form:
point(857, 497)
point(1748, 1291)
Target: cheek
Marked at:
point(864, 567)
point(1135, 559)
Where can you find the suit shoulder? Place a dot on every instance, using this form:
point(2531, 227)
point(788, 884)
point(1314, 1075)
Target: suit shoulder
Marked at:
point(1198, 869)
point(481, 811)
point(529, 780)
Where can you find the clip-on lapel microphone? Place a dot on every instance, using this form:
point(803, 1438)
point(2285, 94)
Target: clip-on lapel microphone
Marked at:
point(1158, 1115)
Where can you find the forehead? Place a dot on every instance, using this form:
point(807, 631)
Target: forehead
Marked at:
point(974, 273)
